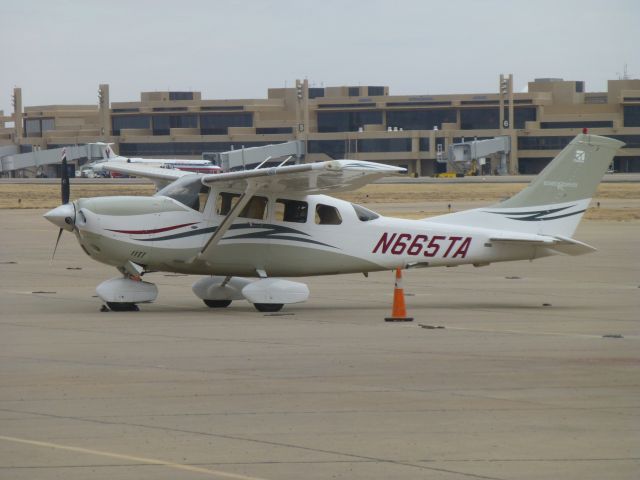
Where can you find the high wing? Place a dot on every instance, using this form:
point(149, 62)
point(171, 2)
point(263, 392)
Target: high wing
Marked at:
point(305, 179)
point(160, 176)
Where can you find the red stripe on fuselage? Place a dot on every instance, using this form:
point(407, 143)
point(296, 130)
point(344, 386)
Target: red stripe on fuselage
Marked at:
point(156, 230)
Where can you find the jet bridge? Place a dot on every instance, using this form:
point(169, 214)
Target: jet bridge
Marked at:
point(466, 157)
point(248, 158)
point(11, 160)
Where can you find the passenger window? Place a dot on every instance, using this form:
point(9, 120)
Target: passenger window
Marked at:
point(327, 215)
point(290, 211)
point(256, 208)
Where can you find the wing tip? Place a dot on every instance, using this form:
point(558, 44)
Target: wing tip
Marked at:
point(348, 164)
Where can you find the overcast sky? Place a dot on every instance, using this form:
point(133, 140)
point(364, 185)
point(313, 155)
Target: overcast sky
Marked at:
point(59, 51)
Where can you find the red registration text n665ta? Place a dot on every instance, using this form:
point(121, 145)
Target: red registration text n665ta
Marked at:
point(420, 244)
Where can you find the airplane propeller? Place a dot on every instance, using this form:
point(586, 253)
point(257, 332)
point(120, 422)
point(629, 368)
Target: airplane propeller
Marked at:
point(64, 215)
point(65, 189)
point(56, 245)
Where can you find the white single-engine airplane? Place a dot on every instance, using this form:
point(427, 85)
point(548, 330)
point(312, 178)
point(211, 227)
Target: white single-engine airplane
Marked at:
point(276, 222)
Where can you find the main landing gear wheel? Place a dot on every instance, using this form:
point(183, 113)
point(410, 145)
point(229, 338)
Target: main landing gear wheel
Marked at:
point(217, 303)
point(268, 307)
point(122, 307)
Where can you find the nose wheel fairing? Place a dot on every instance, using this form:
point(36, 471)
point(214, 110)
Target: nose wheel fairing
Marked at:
point(124, 290)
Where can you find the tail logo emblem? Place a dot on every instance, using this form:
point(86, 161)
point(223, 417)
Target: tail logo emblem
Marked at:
point(579, 158)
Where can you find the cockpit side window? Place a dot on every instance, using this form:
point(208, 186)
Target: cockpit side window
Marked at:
point(256, 208)
point(203, 195)
point(225, 202)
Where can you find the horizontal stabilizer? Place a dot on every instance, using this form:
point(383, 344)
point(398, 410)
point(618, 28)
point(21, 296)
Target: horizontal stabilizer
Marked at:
point(570, 246)
point(564, 245)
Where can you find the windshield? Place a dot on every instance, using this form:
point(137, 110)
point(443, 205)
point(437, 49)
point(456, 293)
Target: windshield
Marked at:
point(185, 190)
point(364, 214)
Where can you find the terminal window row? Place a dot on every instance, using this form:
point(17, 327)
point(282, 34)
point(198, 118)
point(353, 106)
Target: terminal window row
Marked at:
point(209, 123)
point(349, 121)
point(422, 119)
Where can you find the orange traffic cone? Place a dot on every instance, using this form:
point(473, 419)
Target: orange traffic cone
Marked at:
point(399, 311)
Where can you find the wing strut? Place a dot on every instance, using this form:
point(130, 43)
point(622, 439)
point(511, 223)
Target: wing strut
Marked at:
point(252, 187)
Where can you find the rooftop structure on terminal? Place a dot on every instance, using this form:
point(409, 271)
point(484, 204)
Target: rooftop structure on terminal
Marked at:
point(359, 122)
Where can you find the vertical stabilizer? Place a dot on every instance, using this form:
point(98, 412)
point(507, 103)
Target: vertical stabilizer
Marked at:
point(554, 202)
point(572, 176)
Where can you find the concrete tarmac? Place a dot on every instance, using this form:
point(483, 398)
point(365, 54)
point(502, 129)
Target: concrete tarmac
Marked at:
point(534, 375)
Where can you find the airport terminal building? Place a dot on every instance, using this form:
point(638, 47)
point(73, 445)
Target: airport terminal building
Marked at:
point(358, 122)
